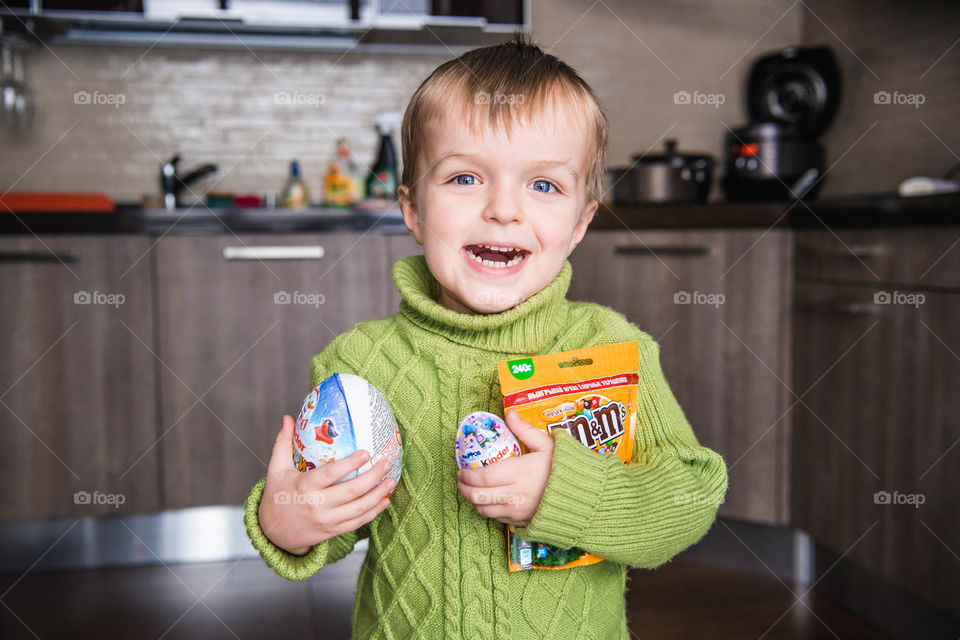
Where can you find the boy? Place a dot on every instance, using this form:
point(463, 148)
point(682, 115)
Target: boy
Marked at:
point(503, 153)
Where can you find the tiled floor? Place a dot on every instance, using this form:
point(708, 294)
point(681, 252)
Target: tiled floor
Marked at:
point(245, 599)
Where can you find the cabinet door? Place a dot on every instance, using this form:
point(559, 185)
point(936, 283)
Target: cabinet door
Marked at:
point(877, 440)
point(77, 402)
point(236, 337)
point(718, 303)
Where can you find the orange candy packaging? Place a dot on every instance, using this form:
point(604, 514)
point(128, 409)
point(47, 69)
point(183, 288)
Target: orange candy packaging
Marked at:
point(592, 394)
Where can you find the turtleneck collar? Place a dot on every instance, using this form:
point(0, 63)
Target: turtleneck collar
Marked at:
point(528, 328)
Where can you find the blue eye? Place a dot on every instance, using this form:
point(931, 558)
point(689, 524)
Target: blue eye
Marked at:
point(464, 175)
point(543, 189)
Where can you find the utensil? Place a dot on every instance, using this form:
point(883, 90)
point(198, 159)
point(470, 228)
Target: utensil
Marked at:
point(667, 177)
point(16, 96)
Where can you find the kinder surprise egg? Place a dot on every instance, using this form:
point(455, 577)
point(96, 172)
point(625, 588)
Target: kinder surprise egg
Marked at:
point(483, 438)
point(344, 414)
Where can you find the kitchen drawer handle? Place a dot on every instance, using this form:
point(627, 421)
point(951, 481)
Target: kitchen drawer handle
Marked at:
point(841, 307)
point(668, 250)
point(303, 252)
point(855, 250)
point(38, 256)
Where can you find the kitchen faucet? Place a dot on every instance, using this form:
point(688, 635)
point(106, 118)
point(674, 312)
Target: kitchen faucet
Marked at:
point(172, 183)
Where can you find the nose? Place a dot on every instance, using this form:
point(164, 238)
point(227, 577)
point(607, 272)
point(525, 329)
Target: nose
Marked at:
point(504, 204)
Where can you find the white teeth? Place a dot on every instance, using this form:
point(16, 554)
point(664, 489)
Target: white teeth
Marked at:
point(496, 265)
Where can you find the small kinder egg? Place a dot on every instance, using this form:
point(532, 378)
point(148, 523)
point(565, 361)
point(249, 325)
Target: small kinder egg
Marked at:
point(343, 414)
point(483, 438)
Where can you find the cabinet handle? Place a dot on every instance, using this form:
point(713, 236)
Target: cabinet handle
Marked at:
point(857, 308)
point(840, 307)
point(38, 256)
point(304, 252)
point(854, 250)
point(668, 250)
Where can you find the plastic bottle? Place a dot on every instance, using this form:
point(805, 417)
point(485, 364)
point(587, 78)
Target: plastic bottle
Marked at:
point(350, 168)
point(382, 181)
point(295, 195)
point(338, 190)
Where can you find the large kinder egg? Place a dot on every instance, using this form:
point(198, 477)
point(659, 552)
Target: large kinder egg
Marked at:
point(483, 438)
point(344, 414)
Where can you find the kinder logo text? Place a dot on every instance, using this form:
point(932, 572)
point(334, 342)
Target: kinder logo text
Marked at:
point(898, 297)
point(914, 499)
point(85, 497)
point(697, 297)
point(297, 98)
point(711, 99)
point(910, 99)
point(112, 299)
point(97, 98)
point(298, 297)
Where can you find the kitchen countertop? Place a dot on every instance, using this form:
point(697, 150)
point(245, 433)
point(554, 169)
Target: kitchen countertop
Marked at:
point(873, 210)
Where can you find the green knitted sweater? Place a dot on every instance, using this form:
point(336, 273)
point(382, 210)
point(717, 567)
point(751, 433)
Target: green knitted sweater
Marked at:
point(435, 568)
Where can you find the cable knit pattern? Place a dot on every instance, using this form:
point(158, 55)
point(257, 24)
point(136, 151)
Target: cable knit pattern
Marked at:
point(438, 569)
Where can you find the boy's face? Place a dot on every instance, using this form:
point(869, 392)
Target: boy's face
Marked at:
point(526, 192)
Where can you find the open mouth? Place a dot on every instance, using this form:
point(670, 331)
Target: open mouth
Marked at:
point(496, 256)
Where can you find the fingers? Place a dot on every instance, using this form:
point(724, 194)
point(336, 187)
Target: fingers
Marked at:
point(281, 459)
point(355, 487)
point(368, 516)
point(495, 475)
point(327, 474)
point(532, 438)
point(369, 501)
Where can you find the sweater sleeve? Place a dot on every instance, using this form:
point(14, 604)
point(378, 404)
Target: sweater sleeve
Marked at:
point(644, 512)
point(286, 564)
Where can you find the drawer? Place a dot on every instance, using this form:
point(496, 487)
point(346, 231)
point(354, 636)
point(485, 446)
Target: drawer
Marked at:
point(919, 256)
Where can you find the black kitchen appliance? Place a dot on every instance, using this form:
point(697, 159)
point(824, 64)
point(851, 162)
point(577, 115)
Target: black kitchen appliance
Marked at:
point(792, 98)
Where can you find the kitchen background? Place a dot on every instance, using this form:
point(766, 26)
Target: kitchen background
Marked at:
point(824, 371)
point(221, 107)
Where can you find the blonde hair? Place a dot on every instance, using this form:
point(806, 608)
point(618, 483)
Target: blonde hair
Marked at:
point(485, 86)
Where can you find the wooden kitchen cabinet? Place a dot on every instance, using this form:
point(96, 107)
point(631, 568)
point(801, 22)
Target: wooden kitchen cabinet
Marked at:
point(881, 414)
point(727, 363)
point(77, 383)
point(236, 337)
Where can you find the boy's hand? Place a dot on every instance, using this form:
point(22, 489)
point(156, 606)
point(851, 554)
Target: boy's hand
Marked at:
point(299, 510)
point(510, 490)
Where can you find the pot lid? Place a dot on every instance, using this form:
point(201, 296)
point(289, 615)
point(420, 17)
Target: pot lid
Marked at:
point(671, 156)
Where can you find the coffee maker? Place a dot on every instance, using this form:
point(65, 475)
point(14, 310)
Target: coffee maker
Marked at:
point(792, 98)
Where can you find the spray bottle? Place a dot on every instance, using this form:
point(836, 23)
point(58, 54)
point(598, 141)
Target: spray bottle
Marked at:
point(382, 181)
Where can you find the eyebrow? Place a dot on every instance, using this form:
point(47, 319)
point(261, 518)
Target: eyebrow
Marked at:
point(569, 165)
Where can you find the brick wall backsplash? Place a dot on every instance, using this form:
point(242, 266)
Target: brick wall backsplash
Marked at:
point(223, 106)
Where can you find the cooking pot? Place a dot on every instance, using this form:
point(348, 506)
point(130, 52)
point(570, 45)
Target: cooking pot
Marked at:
point(668, 177)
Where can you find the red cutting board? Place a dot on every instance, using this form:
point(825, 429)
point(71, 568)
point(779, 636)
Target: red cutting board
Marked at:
point(47, 202)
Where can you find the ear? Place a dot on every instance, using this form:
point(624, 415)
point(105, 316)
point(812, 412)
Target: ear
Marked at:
point(411, 215)
point(585, 218)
